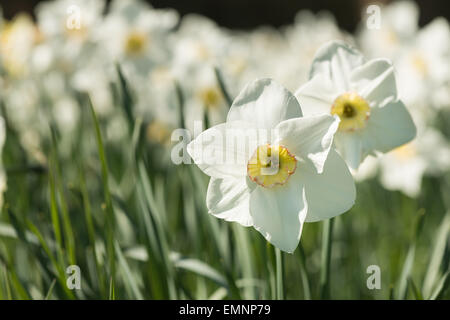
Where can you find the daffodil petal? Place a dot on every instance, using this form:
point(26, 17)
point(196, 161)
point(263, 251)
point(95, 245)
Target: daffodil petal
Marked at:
point(349, 145)
point(264, 103)
point(330, 193)
point(229, 199)
point(336, 59)
point(375, 81)
point(388, 127)
point(308, 137)
point(223, 150)
point(317, 95)
point(279, 213)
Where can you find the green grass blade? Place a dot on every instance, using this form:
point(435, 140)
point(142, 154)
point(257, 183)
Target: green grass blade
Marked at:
point(437, 256)
point(279, 273)
point(414, 289)
point(110, 220)
point(129, 277)
point(50, 290)
point(327, 238)
point(303, 273)
point(222, 86)
point(441, 287)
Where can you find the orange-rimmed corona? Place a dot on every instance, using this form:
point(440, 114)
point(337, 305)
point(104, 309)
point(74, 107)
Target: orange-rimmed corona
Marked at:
point(271, 165)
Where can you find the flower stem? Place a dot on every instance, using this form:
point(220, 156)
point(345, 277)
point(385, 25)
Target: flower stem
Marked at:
point(327, 236)
point(279, 273)
point(303, 274)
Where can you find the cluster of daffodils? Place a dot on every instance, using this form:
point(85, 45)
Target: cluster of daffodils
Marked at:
point(283, 152)
point(290, 165)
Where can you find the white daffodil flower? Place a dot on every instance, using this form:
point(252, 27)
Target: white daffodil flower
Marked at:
point(364, 96)
point(272, 168)
point(403, 168)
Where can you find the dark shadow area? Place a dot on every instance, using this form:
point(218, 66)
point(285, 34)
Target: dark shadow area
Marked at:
point(247, 14)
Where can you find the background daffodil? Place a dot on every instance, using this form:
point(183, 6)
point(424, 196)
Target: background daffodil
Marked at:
point(364, 95)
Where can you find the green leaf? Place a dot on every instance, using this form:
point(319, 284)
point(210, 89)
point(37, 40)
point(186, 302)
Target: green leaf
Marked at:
point(437, 256)
point(201, 269)
point(441, 287)
point(222, 86)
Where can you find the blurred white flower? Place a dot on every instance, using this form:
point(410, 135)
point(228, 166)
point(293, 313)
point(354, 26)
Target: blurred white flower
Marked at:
point(135, 34)
point(403, 168)
point(271, 168)
point(69, 19)
point(17, 39)
point(364, 96)
point(399, 25)
point(308, 32)
point(424, 64)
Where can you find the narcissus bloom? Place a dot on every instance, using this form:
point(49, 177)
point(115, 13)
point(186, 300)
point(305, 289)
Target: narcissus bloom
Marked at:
point(363, 95)
point(272, 168)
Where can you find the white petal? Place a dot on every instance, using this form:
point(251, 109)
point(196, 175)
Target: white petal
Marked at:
point(308, 137)
point(349, 145)
point(375, 81)
point(336, 60)
point(264, 103)
point(224, 150)
point(278, 213)
point(330, 193)
point(317, 95)
point(388, 127)
point(229, 199)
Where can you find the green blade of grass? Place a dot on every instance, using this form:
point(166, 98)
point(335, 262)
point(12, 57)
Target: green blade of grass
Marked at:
point(59, 190)
point(55, 219)
point(110, 220)
point(159, 229)
point(112, 293)
point(200, 268)
point(222, 86)
point(279, 273)
point(327, 238)
point(126, 97)
point(303, 273)
point(129, 277)
point(402, 289)
point(91, 229)
point(59, 270)
point(414, 289)
point(441, 287)
point(50, 290)
point(437, 256)
point(8, 287)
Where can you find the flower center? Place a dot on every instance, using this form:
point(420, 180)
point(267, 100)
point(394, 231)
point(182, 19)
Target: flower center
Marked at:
point(271, 165)
point(135, 43)
point(419, 63)
point(210, 96)
point(353, 111)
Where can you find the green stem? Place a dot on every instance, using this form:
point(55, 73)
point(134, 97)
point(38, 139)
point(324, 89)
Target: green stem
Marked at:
point(327, 236)
point(279, 273)
point(303, 273)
